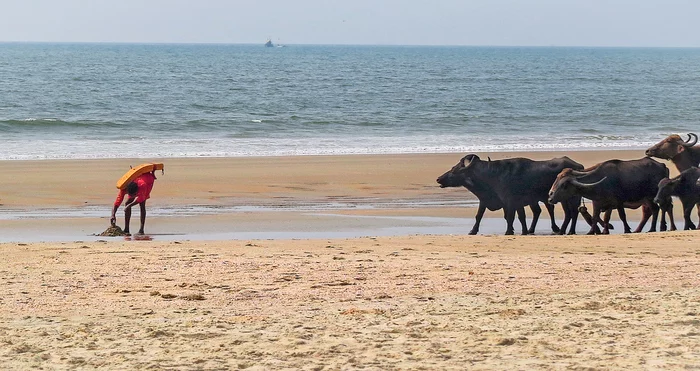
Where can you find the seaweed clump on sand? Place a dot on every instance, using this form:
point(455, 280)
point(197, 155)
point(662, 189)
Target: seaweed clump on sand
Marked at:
point(113, 231)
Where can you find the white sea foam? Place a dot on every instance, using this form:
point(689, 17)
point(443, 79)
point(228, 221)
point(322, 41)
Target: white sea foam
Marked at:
point(237, 147)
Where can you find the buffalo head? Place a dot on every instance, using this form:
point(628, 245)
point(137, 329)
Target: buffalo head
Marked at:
point(670, 147)
point(454, 177)
point(567, 185)
point(666, 188)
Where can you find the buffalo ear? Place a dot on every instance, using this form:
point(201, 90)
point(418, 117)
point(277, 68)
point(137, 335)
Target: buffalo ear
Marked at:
point(471, 158)
point(489, 157)
point(681, 148)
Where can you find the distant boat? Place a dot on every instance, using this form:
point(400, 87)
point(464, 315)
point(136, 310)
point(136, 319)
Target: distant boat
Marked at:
point(268, 44)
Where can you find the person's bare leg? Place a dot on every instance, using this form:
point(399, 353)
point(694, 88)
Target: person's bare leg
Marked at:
point(143, 216)
point(127, 219)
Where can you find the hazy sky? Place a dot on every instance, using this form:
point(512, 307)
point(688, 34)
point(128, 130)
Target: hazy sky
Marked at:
point(405, 22)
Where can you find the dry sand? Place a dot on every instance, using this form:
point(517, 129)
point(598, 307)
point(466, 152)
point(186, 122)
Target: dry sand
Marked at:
point(406, 302)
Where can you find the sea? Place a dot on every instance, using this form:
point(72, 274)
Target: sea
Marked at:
point(104, 100)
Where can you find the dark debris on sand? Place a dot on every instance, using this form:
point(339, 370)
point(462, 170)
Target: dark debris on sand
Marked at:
point(113, 231)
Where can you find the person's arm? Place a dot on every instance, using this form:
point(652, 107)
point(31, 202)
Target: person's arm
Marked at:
point(133, 202)
point(117, 203)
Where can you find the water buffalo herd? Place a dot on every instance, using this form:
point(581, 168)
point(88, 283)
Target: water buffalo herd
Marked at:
point(614, 185)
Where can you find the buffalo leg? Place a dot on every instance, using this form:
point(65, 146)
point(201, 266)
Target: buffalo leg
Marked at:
point(510, 217)
point(571, 212)
point(686, 217)
point(606, 220)
point(536, 211)
point(666, 209)
point(523, 221)
point(552, 220)
point(479, 215)
point(596, 217)
point(565, 222)
point(623, 218)
point(669, 211)
point(662, 223)
point(587, 216)
point(646, 213)
point(574, 219)
point(570, 216)
point(654, 216)
point(594, 220)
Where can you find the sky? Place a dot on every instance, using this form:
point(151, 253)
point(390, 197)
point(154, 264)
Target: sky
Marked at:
point(634, 23)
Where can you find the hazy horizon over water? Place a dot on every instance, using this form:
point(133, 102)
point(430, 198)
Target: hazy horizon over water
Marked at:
point(80, 101)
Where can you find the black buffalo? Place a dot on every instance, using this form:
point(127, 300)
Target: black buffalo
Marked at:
point(488, 199)
point(685, 187)
point(512, 184)
point(614, 185)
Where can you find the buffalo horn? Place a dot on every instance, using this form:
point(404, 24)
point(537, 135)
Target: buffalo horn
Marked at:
point(584, 185)
point(579, 173)
point(688, 143)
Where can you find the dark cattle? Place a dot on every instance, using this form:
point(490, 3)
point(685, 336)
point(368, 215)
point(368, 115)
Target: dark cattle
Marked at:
point(683, 153)
point(666, 209)
point(488, 199)
point(614, 184)
point(512, 184)
point(686, 188)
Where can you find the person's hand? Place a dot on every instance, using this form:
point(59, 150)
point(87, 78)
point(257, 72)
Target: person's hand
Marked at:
point(113, 220)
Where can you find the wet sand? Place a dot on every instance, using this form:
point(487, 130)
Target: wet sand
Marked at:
point(427, 300)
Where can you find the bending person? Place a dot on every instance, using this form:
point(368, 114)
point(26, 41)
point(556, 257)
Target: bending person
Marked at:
point(139, 191)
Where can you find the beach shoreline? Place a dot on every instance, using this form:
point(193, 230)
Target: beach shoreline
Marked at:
point(57, 196)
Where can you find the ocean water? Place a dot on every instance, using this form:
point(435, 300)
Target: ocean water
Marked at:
point(81, 101)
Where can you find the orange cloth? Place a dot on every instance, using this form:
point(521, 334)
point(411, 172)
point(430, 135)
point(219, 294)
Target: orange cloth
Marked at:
point(145, 183)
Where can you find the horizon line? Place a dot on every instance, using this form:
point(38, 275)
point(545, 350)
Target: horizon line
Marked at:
point(341, 44)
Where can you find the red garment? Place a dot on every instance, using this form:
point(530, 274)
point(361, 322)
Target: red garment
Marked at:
point(145, 183)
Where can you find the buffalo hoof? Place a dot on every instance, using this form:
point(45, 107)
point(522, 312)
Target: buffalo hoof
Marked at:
point(556, 229)
point(509, 233)
point(473, 232)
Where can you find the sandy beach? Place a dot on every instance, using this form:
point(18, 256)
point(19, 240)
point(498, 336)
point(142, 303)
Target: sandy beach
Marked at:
point(424, 300)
